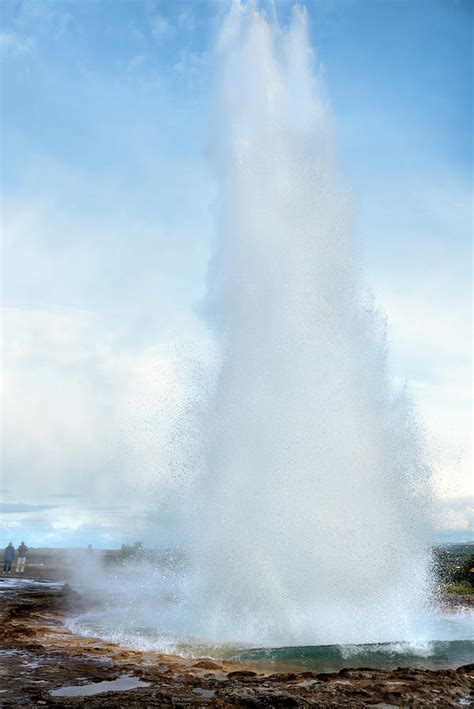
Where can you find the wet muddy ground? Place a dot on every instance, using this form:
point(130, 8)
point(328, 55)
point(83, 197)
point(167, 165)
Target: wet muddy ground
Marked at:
point(43, 664)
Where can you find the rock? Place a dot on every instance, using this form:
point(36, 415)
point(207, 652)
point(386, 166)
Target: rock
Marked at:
point(466, 669)
point(283, 677)
point(241, 674)
point(207, 665)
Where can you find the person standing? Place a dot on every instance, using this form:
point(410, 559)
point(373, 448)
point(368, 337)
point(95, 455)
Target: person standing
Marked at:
point(8, 556)
point(20, 564)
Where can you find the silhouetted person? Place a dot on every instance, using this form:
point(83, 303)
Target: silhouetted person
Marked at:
point(8, 556)
point(20, 564)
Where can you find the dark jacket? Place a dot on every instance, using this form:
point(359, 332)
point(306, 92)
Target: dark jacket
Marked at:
point(9, 554)
point(22, 549)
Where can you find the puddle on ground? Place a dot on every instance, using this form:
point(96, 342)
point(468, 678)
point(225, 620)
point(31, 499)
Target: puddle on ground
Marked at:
point(206, 693)
point(122, 684)
point(31, 665)
point(12, 652)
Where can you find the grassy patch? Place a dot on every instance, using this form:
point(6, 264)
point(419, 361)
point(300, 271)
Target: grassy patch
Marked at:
point(462, 589)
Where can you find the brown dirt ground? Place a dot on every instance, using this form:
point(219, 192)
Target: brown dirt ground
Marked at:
point(39, 655)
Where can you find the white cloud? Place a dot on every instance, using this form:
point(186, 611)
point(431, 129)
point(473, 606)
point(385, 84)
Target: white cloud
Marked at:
point(9, 524)
point(186, 20)
point(423, 283)
point(192, 64)
point(96, 335)
point(160, 26)
point(35, 16)
point(457, 514)
point(430, 346)
point(143, 278)
point(15, 45)
point(81, 413)
point(137, 62)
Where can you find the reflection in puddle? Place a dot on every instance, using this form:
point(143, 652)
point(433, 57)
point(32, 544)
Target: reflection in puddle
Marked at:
point(307, 683)
point(207, 693)
point(122, 684)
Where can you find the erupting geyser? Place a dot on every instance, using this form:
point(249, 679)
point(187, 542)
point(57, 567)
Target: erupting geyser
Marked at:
point(312, 516)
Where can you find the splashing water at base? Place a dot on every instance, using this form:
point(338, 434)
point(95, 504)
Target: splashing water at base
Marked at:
point(139, 606)
point(313, 504)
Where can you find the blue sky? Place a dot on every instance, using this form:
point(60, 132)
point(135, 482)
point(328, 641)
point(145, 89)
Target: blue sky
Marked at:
point(108, 219)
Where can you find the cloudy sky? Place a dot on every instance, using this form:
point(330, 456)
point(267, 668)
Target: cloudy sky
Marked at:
point(107, 214)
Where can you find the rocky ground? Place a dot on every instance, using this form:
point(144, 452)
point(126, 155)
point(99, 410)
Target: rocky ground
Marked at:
point(40, 655)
